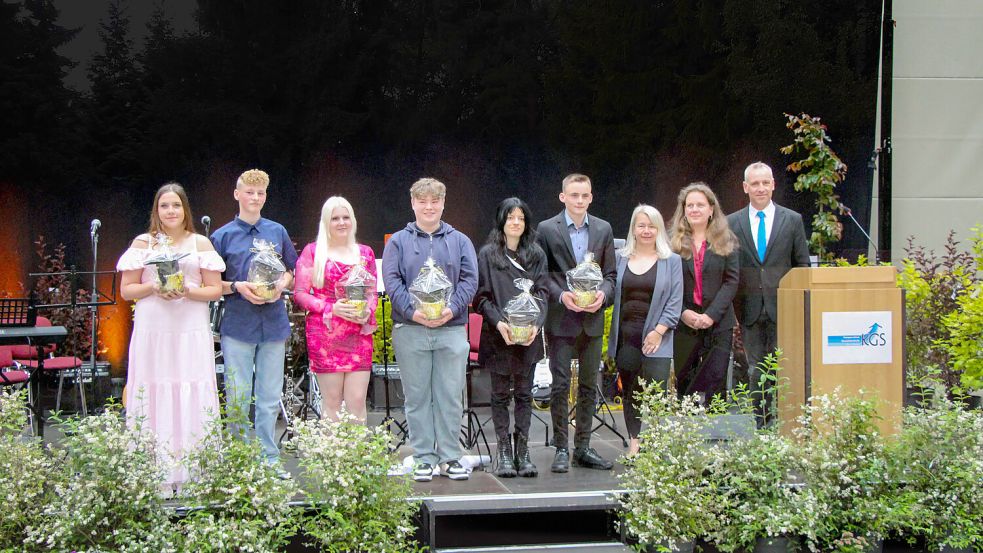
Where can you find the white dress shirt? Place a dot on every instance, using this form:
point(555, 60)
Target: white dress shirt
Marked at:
point(769, 222)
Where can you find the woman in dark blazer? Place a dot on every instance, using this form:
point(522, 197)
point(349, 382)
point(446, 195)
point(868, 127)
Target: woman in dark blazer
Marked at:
point(647, 302)
point(711, 269)
point(510, 253)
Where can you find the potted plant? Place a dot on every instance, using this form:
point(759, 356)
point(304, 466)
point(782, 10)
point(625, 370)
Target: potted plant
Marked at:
point(669, 501)
point(27, 474)
point(937, 463)
point(236, 501)
point(844, 464)
point(762, 504)
point(106, 490)
point(352, 505)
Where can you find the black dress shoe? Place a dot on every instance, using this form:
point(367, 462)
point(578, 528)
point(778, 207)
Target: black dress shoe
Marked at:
point(561, 460)
point(588, 458)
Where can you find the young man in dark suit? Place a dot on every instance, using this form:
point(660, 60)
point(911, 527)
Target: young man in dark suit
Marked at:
point(772, 240)
point(572, 331)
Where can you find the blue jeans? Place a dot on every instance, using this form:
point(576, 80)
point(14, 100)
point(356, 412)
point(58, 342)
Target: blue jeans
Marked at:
point(432, 365)
point(243, 362)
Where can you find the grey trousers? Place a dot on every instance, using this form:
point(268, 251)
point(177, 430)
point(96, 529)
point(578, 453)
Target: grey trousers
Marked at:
point(432, 365)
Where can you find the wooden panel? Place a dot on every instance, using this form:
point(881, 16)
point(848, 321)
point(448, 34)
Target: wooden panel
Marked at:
point(839, 277)
point(791, 330)
point(885, 380)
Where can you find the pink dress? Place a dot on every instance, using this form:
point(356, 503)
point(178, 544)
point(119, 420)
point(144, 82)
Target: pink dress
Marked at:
point(170, 379)
point(344, 348)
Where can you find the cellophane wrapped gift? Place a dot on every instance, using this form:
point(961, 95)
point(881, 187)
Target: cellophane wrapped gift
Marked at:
point(356, 287)
point(522, 311)
point(265, 268)
point(431, 290)
point(585, 280)
point(165, 260)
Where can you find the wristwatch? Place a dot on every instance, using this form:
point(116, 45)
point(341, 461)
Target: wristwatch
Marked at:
point(232, 287)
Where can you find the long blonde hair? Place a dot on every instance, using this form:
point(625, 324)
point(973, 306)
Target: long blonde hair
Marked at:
point(719, 236)
point(324, 234)
point(662, 249)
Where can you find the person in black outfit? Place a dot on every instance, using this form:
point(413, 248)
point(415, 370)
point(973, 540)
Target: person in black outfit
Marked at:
point(573, 331)
point(510, 254)
point(711, 269)
point(648, 296)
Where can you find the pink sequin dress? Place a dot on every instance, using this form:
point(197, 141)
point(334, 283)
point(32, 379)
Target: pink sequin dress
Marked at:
point(343, 348)
point(170, 378)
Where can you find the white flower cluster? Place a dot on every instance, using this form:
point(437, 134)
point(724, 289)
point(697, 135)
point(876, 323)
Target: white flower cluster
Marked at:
point(105, 490)
point(239, 503)
point(355, 506)
point(835, 485)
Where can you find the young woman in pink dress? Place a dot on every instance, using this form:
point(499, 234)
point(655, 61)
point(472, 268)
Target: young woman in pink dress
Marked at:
point(171, 372)
point(339, 339)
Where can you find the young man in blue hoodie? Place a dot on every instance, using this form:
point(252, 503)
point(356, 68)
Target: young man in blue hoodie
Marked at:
point(432, 353)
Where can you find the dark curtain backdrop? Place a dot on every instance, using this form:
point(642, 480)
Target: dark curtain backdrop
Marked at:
point(495, 98)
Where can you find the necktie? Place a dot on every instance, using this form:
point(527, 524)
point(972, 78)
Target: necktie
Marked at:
point(762, 236)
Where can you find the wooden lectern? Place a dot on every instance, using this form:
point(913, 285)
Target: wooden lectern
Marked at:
point(841, 327)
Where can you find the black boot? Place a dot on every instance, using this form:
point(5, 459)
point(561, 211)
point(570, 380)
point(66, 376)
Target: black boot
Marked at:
point(522, 462)
point(505, 464)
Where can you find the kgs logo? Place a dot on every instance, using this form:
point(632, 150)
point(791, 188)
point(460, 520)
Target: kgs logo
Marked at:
point(872, 338)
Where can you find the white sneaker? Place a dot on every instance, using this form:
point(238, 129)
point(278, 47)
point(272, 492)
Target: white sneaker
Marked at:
point(423, 472)
point(454, 470)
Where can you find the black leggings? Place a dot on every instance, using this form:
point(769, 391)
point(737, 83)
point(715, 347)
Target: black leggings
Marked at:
point(632, 366)
point(514, 384)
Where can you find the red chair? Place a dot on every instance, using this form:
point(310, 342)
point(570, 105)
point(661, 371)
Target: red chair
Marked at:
point(474, 338)
point(11, 374)
point(64, 365)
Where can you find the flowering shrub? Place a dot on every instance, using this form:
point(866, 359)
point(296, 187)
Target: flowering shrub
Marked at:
point(669, 499)
point(106, 490)
point(238, 502)
point(760, 494)
point(26, 474)
point(845, 467)
point(937, 462)
point(355, 506)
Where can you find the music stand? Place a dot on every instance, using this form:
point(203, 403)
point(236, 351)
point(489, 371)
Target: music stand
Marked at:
point(97, 299)
point(388, 421)
point(601, 406)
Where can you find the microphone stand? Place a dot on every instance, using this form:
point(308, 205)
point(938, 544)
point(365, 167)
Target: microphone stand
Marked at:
point(94, 310)
point(849, 213)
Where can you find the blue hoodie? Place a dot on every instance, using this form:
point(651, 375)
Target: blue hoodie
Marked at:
point(408, 250)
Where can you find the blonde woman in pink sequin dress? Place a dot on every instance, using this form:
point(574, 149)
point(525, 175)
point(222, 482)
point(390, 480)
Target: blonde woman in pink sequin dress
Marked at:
point(170, 379)
point(339, 342)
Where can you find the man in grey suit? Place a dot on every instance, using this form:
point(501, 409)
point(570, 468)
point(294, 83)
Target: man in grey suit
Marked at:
point(572, 331)
point(772, 241)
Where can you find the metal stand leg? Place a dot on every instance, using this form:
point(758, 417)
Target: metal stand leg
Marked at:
point(400, 432)
point(471, 430)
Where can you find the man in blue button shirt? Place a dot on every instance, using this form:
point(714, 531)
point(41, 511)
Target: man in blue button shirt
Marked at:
point(254, 329)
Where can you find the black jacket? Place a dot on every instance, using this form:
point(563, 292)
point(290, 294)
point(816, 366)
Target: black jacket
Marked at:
point(554, 238)
point(495, 288)
point(720, 280)
point(787, 248)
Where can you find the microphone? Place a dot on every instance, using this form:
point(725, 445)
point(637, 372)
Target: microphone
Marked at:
point(849, 213)
point(206, 221)
point(94, 227)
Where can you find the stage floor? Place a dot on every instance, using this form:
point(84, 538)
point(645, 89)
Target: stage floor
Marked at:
point(483, 482)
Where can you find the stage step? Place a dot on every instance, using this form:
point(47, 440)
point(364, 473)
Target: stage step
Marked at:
point(502, 522)
point(599, 547)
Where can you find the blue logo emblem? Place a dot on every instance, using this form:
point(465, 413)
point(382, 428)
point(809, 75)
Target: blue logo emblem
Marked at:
point(873, 337)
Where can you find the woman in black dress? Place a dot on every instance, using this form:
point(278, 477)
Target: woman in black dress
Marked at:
point(511, 253)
